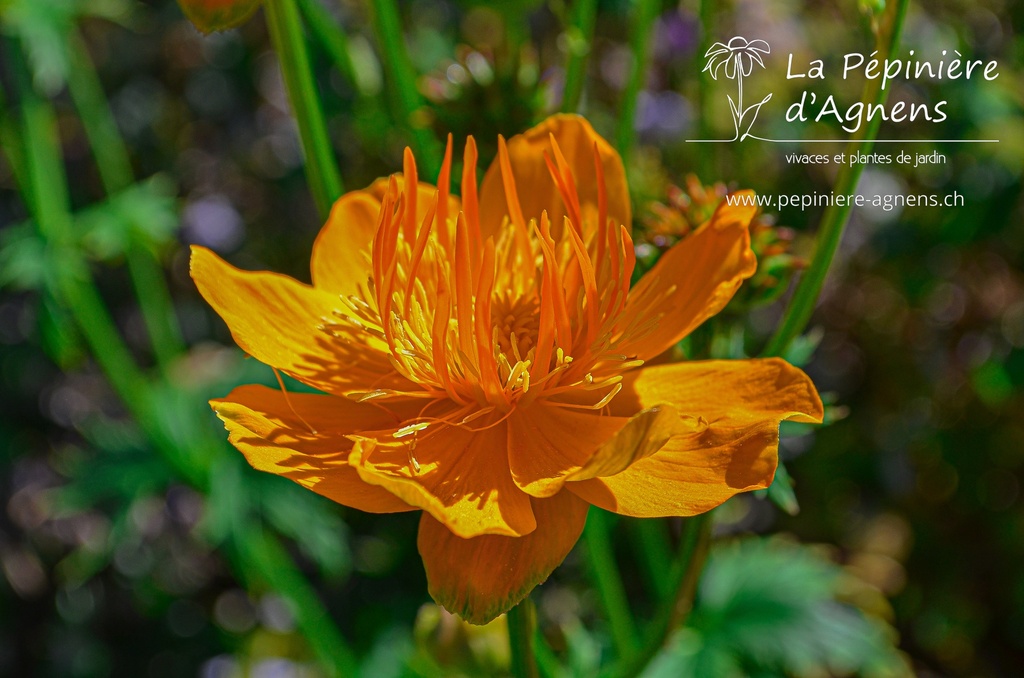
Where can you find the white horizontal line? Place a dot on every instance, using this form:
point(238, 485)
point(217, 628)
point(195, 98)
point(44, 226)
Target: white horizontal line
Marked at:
point(844, 141)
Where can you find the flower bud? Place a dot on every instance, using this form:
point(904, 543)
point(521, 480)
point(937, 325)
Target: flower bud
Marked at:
point(218, 15)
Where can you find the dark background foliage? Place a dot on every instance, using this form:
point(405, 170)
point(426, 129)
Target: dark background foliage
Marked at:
point(114, 564)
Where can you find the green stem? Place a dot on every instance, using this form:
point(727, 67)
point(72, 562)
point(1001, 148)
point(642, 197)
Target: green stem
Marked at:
point(286, 34)
point(833, 222)
point(707, 24)
point(684, 575)
point(639, 45)
point(47, 195)
point(522, 620)
point(412, 110)
point(87, 94)
point(274, 567)
point(605, 572)
point(655, 554)
point(580, 36)
point(330, 36)
point(116, 173)
point(547, 662)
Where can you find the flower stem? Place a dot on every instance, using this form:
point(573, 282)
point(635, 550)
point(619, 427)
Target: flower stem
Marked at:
point(639, 45)
point(580, 38)
point(705, 158)
point(522, 620)
point(605, 572)
point(286, 34)
point(684, 576)
point(261, 556)
point(412, 110)
point(651, 540)
point(331, 36)
point(185, 444)
point(833, 222)
point(116, 174)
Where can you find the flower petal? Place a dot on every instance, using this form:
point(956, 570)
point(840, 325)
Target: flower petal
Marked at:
point(460, 477)
point(424, 196)
point(537, 190)
point(690, 283)
point(341, 253)
point(276, 320)
point(739, 404)
point(548, 445)
point(481, 578)
point(302, 437)
point(759, 45)
point(340, 263)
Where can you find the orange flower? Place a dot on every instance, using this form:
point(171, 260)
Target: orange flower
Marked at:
point(218, 15)
point(484, 362)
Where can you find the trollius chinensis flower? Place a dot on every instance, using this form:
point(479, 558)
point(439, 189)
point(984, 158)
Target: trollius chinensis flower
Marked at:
point(484, 359)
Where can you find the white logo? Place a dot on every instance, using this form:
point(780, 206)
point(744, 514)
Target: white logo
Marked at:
point(736, 60)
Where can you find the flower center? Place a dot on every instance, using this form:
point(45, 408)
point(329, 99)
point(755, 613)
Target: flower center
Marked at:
point(516, 323)
point(493, 321)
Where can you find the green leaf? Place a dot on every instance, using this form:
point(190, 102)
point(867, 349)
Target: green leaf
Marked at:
point(145, 214)
point(309, 519)
point(803, 347)
point(23, 260)
point(780, 492)
point(790, 622)
point(43, 26)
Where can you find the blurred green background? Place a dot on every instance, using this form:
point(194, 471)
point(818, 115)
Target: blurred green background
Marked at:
point(135, 542)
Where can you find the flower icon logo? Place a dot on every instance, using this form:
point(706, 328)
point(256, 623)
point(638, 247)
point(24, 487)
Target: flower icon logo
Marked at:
point(738, 57)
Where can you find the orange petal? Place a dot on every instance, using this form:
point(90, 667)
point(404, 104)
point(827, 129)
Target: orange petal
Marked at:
point(737, 405)
point(459, 476)
point(690, 283)
point(276, 320)
point(538, 191)
point(548, 445)
point(341, 259)
point(340, 263)
point(480, 578)
point(424, 196)
point(302, 437)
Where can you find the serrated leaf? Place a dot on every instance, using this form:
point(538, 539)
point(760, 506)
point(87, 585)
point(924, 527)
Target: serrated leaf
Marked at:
point(802, 348)
point(145, 213)
point(770, 607)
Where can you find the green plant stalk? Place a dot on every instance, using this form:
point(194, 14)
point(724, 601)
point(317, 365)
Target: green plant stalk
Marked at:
point(522, 620)
point(46, 185)
point(286, 35)
point(581, 22)
point(387, 27)
point(331, 36)
point(707, 23)
point(684, 575)
point(547, 661)
point(834, 220)
point(655, 555)
point(639, 46)
point(116, 173)
point(605, 573)
point(275, 569)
